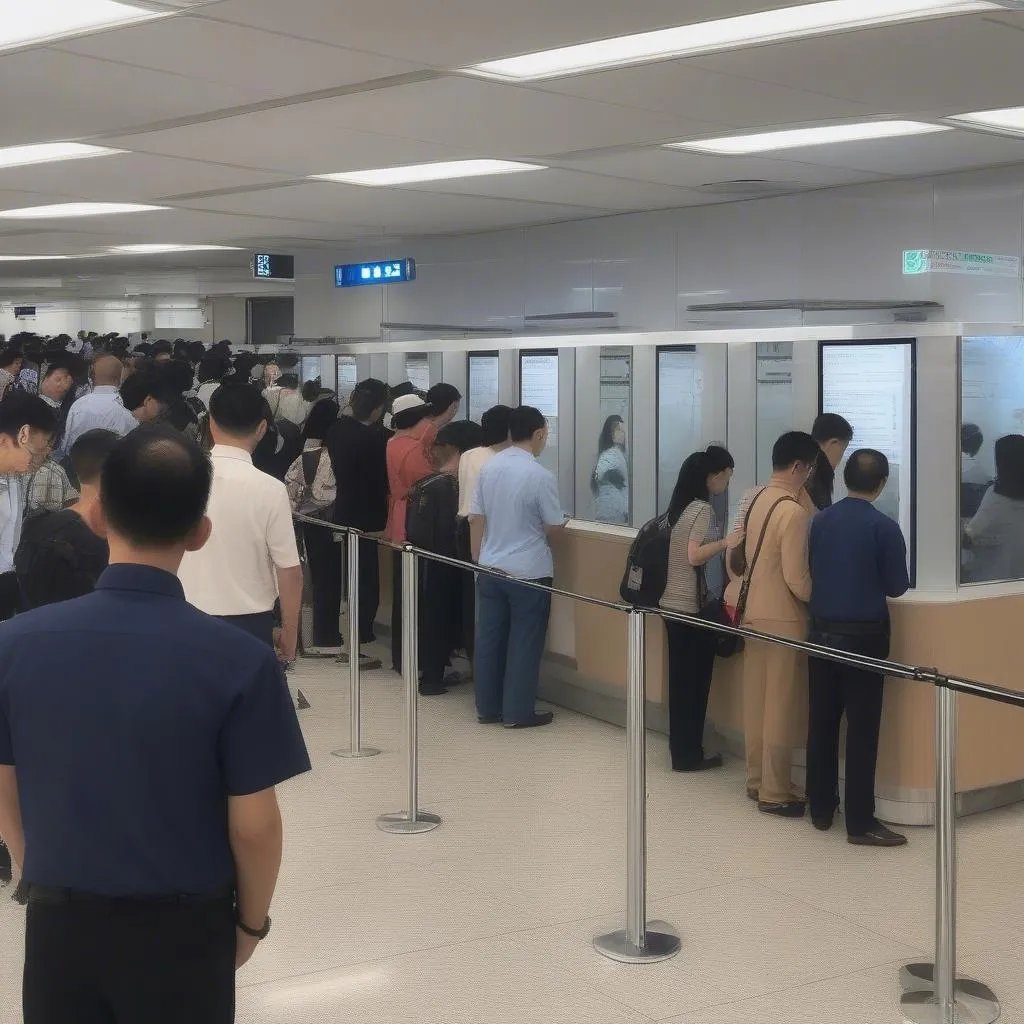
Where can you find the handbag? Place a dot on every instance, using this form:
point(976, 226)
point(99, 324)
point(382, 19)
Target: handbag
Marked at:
point(741, 601)
point(713, 610)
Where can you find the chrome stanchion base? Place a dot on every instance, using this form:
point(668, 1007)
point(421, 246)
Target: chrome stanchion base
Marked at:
point(975, 1003)
point(662, 944)
point(361, 752)
point(401, 824)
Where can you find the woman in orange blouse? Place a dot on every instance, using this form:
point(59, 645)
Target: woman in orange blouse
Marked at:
point(410, 459)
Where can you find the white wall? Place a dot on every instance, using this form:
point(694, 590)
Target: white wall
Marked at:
point(833, 244)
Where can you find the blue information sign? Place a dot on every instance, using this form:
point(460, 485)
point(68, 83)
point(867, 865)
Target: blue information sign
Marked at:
point(352, 275)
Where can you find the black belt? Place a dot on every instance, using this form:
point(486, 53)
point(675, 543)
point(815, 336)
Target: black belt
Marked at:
point(62, 897)
point(843, 627)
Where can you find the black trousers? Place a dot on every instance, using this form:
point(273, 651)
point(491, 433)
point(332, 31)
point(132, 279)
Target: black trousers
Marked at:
point(691, 662)
point(126, 961)
point(323, 556)
point(836, 690)
point(439, 618)
point(259, 625)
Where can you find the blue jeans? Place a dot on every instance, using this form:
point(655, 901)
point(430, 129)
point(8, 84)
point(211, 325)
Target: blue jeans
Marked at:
point(512, 622)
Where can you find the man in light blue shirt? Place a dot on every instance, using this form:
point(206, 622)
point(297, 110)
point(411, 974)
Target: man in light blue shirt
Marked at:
point(513, 510)
point(102, 408)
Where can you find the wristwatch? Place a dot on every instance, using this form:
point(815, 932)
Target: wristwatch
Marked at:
point(254, 933)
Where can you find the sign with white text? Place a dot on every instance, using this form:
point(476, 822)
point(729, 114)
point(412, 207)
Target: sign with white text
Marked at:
point(951, 261)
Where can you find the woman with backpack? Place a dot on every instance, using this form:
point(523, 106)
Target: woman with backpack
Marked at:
point(696, 580)
point(311, 490)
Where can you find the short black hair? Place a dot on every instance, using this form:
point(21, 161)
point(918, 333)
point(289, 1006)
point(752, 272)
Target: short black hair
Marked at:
point(405, 388)
point(213, 367)
point(178, 375)
point(238, 409)
point(794, 446)
point(288, 380)
point(866, 471)
point(89, 453)
point(495, 423)
point(830, 426)
point(154, 486)
point(20, 409)
point(145, 383)
point(460, 434)
point(10, 355)
point(524, 422)
point(321, 418)
point(442, 397)
point(971, 439)
point(196, 350)
point(161, 347)
point(368, 396)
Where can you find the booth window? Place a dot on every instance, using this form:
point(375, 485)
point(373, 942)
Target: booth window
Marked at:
point(309, 368)
point(417, 371)
point(605, 451)
point(774, 400)
point(345, 375)
point(692, 391)
point(991, 459)
point(872, 385)
point(538, 386)
point(482, 380)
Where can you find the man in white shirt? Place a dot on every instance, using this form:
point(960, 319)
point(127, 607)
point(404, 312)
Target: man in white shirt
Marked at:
point(495, 427)
point(102, 408)
point(252, 558)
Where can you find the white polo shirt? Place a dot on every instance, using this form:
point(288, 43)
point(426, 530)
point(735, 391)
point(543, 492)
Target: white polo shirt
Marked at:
point(234, 574)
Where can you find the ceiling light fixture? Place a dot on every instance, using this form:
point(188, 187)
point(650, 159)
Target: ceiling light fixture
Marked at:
point(51, 152)
point(60, 210)
point(820, 135)
point(722, 34)
point(445, 171)
point(144, 249)
point(1009, 119)
point(42, 20)
point(28, 259)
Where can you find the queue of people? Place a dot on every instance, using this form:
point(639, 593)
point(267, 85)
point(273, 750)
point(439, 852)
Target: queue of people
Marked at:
point(798, 567)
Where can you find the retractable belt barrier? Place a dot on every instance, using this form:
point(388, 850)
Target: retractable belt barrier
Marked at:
point(931, 992)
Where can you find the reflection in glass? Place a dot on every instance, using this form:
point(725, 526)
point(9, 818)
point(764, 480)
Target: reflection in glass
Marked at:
point(538, 387)
point(610, 479)
point(992, 459)
point(417, 371)
point(774, 400)
point(309, 368)
point(483, 384)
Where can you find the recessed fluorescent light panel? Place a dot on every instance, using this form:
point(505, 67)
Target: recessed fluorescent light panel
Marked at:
point(1009, 119)
point(795, 138)
point(722, 34)
point(76, 210)
point(36, 259)
point(142, 250)
point(446, 171)
point(35, 21)
point(51, 152)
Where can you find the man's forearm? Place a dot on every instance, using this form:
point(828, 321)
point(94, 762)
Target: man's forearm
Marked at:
point(289, 588)
point(476, 536)
point(11, 830)
point(257, 863)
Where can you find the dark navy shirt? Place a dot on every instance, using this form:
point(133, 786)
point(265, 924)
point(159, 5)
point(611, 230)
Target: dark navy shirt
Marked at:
point(131, 717)
point(858, 558)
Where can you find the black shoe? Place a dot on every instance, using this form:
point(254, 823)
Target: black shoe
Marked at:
point(488, 719)
point(432, 691)
point(540, 718)
point(706, 764)
point(20, 894)
point(878, 835)
point(5, 865)
point(822, 824)
point(790, 809)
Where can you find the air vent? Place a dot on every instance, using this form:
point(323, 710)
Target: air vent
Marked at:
point(749, 187)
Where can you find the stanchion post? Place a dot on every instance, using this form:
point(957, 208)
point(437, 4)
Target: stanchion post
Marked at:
point(932, 993)
point(640, 941)
point(413, 819)
point(355, 746)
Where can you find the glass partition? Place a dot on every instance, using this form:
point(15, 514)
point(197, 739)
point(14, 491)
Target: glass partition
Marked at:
point(538, 386)
point(417, 370)
point(992, 459)
point(692, 394)
point(607, 450)
point(774, 400)
point(346, 375)
point(309, 368)
point(482, 379)
point(872, 384)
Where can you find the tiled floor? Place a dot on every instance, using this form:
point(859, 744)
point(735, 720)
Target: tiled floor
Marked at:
point(489, 919)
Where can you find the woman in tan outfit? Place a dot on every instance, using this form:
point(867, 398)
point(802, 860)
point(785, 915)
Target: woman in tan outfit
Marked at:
point(775, 677)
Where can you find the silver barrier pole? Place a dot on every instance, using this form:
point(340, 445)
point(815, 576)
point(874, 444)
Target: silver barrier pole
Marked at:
point(355, 746)
point(640, 941)
point(412, 820)
point(932, 993)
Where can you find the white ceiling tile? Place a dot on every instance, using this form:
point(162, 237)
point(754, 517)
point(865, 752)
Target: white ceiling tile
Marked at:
point(454, 33)
point(269, 65)
point(940, 67)
point(129, 177)
point(50, 96)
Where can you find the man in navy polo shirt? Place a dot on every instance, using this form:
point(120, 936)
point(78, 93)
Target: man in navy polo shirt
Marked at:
point(137, 790)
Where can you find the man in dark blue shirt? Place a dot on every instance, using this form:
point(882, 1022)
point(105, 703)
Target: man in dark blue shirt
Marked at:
point(137, 788)
point(858, 559)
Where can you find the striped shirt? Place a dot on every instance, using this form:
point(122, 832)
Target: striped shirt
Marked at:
point(696, 525)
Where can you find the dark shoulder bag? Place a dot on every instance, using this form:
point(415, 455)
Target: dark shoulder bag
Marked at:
point(741, 601)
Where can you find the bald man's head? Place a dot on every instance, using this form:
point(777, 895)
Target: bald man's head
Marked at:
point(106, 371)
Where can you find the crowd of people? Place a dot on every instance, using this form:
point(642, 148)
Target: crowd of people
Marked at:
point(798, 567)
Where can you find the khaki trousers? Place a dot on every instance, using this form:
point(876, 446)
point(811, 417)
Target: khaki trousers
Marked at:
point(774, 710)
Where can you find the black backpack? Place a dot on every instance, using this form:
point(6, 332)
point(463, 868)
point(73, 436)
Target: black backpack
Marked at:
point(48, 564)
point(646, 575)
